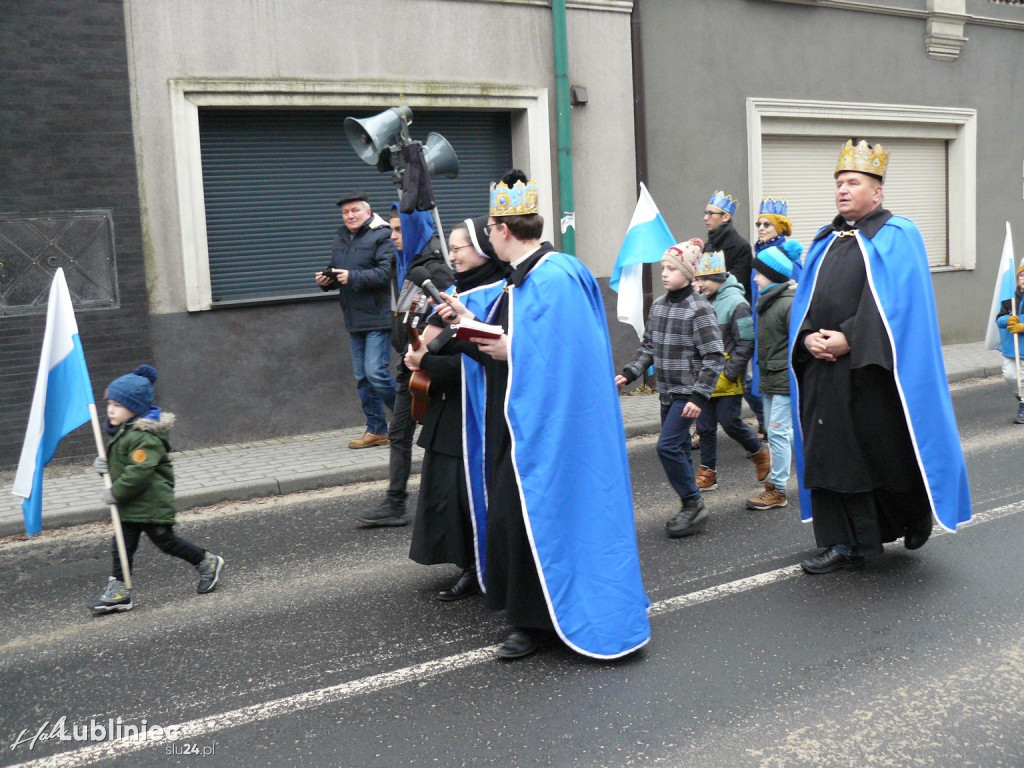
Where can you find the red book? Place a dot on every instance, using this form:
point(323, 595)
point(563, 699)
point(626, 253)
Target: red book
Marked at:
point(473, 329)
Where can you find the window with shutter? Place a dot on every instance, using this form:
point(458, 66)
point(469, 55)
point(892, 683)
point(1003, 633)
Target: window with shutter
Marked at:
point(800, 170)
point(931, 179)
point(271, 178)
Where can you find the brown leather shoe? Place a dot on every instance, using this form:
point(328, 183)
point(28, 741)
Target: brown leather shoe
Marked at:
point(762, 463)
point(770, 498)
point(368, 440)
point(707, 479)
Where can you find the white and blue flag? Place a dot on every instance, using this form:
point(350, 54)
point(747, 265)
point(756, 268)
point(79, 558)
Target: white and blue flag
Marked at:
point(1004, 290)
point(647, 238)
point(61, 402)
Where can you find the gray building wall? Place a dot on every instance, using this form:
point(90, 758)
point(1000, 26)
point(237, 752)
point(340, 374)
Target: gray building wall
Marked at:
point(704, 58)
point(240, 373)
point(66, 145)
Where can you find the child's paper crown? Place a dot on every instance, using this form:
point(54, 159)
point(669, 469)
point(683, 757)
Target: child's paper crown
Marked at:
point(711, 264)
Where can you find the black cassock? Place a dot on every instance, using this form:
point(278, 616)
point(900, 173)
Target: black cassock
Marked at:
point(510, 577)
point(443, 531)
point(859, 460)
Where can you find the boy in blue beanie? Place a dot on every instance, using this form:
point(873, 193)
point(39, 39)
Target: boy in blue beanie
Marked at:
point(143, 485)
point(773, 272)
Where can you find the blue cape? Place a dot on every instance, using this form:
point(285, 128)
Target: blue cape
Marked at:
point(474, 455)
point(896, 266)
point(569, 454)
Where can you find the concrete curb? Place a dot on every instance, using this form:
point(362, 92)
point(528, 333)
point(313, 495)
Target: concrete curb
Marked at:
point(966, 362)
point(252, 489)
point(981, 372)
point(642, 428)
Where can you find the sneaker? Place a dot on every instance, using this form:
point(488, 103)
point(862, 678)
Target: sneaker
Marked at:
point(368, 440)
point(762, 463)
point(688, 520)
point(770, 498)
point(1020, 414)
point(383, 516)
point(115, 598)
point(707, 479)
point(209, 572)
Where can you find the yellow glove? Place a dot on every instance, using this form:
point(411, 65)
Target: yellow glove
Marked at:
point(1014, 325)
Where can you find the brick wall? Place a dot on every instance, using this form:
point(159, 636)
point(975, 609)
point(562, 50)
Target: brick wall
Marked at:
point(66, 144)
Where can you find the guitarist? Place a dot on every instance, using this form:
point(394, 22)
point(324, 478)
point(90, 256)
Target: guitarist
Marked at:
point(416, 245)
point(450, 515)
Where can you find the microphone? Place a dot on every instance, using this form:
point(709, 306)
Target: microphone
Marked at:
point(421, 277)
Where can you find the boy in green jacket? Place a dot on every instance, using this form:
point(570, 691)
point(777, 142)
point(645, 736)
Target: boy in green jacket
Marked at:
point(773, 272)
point(143, 485)
point(736, 324)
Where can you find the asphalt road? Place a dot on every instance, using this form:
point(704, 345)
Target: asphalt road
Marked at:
point(324, 645)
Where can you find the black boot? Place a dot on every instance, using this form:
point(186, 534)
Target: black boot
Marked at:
point(466, 586)
point(383, 516)
point(830, 559)
point(1020, 413)
point(690, 519)
point(519, 643)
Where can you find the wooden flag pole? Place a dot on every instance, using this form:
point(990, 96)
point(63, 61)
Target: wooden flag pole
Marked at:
point(115, 518)
point(1016, 350)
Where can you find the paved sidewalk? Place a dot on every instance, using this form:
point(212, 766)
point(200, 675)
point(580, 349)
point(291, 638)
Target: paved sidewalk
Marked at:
point(305, 462)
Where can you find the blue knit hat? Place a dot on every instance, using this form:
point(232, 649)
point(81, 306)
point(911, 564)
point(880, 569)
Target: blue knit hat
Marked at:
point(135, 390)
point(776, 263)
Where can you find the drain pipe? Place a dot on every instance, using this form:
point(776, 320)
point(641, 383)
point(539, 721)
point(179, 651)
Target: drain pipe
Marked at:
point(559, 33)
point(640, 128)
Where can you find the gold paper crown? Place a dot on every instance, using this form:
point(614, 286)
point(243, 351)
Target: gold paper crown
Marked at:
point(517, 200)
point(863, 159)
point(711, 264)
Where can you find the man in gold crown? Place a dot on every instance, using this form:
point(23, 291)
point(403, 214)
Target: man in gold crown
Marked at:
point(877, 449)
point(561, 552)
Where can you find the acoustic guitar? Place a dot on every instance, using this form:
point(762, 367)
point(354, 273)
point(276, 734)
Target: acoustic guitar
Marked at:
point(419, 384)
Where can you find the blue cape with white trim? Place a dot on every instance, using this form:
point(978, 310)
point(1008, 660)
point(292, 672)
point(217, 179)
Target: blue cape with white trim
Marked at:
point(896, 266)
point(569, 453)
point(474, 454)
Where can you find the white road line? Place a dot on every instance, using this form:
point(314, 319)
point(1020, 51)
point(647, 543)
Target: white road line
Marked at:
point(192, 730)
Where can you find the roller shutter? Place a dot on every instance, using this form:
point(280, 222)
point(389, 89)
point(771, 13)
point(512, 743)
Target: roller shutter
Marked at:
point(271, 179)
point(800, 168)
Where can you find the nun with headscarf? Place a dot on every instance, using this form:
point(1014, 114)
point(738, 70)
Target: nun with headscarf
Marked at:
point(451, 511)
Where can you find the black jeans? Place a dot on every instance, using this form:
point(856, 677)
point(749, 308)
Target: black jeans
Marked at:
point(400, 435)
point(724, 410)
point(165, 539)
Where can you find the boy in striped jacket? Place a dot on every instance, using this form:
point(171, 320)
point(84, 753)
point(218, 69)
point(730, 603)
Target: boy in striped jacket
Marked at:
point(683, 342)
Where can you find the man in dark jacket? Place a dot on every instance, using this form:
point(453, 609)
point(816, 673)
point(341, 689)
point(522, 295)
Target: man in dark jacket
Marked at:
point(361, 259)
point(412, 235)
point(722, 236)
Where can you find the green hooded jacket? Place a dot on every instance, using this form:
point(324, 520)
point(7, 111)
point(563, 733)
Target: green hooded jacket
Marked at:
point(141, 471)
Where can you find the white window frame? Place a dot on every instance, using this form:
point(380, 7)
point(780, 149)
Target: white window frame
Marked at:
point(530, 138)
point(959, 127)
